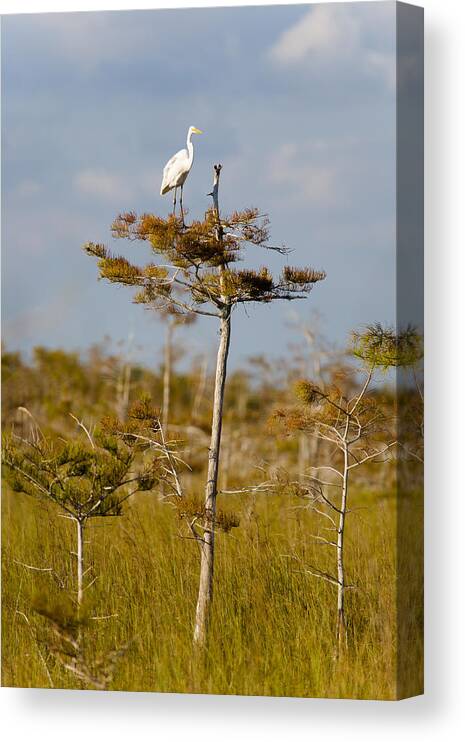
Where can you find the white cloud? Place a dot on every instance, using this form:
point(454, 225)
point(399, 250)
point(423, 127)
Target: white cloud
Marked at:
point(336, 34)
point(103, 185)
point(324, 30)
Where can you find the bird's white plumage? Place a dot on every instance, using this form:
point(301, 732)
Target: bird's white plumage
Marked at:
point(175, 171)
point(178, 167)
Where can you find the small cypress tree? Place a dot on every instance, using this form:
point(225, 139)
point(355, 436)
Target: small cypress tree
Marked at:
point(195, 274)
point(90, 477)
point(355, 429)
point(86, 478)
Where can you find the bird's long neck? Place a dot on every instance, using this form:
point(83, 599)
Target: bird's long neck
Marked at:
point(190, 148)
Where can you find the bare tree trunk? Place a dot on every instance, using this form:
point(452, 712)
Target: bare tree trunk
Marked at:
point(126, 388)
point(227, 450)
point(205, 596)
point(123, 384)
point(314, 448)
point(167, 376)
point(303, 456)
point(200, 390)
point(341, 622)
point(208, 542)
point(80, 560)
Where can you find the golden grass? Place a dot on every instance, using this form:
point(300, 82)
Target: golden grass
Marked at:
point(272, 627)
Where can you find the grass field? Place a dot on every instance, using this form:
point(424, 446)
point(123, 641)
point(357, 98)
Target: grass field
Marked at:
point(272, 630)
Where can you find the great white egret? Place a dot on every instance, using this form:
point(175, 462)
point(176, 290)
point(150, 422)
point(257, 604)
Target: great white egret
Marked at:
point(178, 168)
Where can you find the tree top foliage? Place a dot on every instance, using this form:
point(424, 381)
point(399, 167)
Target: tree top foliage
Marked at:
point(383, 347)
point(193, 270)
point(89, 475)
point(329, 406)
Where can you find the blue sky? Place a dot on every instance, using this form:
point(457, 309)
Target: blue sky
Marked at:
point(297, 102)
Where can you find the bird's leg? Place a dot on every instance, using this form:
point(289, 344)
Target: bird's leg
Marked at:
point(182, 210)
point(174, 201)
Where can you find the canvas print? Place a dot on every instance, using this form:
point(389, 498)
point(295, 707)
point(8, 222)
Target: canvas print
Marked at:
point(212, 403)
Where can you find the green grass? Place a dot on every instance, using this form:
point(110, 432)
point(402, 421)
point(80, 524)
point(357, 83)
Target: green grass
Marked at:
point(272, 630)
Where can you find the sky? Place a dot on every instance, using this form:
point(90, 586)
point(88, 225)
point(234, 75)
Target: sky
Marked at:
point(298, 104)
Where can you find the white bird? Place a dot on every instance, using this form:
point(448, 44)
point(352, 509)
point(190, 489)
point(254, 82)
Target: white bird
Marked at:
point(178, 168)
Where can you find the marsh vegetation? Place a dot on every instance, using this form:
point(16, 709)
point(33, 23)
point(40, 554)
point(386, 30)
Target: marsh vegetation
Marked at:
point(202, 529)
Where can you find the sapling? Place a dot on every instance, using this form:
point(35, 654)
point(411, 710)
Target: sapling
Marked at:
point(194, 274)
point(87, 477)
point(354, 429)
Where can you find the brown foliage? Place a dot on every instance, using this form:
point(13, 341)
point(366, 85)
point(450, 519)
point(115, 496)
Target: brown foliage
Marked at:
point(302, 277)
point(191, 255)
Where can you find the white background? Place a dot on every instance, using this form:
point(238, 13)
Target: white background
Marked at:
point(57, 715)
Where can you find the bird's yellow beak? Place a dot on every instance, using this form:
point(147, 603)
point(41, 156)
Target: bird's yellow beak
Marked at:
point(196, 131)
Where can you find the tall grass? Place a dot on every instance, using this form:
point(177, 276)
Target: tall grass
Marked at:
point(273, 625)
